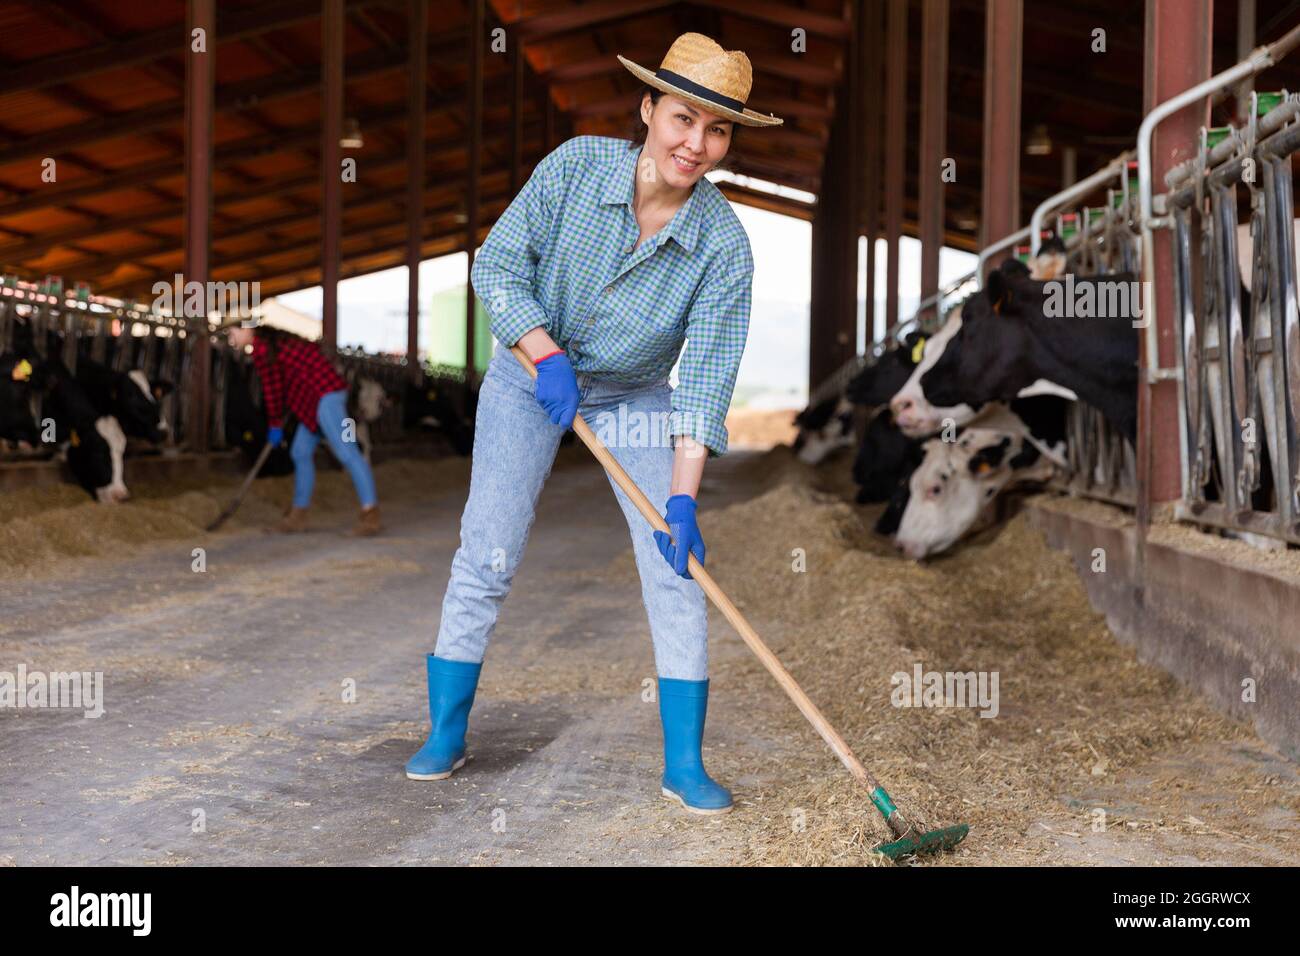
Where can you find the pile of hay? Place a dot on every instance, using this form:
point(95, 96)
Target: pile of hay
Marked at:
point(43, 525)
point(1075, 705)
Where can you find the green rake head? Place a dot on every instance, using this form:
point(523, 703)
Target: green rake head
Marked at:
point(932, 841)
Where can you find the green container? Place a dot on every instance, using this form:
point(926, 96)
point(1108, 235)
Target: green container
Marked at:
point(1216, 135)
point(1095, 216)
point(1266, 101)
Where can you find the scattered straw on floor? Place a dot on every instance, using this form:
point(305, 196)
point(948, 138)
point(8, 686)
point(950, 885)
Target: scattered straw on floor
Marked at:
point(1075, 706)
point(44, 525)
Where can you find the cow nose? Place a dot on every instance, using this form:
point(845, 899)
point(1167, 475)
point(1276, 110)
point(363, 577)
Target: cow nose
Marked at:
point(900, 405)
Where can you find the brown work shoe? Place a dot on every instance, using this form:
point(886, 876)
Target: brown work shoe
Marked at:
point(367, 523)
point(295, 519)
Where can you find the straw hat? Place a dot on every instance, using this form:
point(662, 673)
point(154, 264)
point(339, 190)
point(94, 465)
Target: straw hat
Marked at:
point(698, 70)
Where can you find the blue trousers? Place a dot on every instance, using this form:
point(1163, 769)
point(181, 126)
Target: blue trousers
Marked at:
point(330, 417)
point(514, 448)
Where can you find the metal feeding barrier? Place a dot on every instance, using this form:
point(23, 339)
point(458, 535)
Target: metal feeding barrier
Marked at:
point(1239, 344)
point(936, 305)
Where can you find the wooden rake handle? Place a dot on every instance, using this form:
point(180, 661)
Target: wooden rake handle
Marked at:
point(723, 603)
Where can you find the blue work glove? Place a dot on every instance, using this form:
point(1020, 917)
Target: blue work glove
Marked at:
point(686, 539)
point(557, 388)
point(275, 436)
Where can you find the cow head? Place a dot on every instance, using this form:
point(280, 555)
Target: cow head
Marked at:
point(371, 399)
point(138, 406)
point(918, 416)
point(953, 489)
point(986, 361)
point(824, 428)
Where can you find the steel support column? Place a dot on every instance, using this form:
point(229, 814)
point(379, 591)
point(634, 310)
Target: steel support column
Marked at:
point(331, 155)
point(199, 81)
point(895, 145)
point(418, 39)
point(934, 115)
point(1003, 53)
point(1178, 51)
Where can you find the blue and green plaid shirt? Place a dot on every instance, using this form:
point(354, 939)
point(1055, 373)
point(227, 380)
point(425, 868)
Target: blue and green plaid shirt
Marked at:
point(562, 257)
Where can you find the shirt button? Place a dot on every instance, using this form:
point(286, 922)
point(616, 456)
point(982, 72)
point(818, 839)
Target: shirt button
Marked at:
point(608, 289)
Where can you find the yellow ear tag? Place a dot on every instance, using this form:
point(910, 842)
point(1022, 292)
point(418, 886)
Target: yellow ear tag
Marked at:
point(983, 468)
point(248, 436)
point(431, 395)
point(76, 439)
point(918, 351)
point(22, 371)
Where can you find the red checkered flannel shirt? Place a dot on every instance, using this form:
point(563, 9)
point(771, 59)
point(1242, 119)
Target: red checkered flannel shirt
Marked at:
point(297, 378)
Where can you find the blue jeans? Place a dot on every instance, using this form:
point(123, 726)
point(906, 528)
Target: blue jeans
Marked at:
point(330, 413)
point(514, 449)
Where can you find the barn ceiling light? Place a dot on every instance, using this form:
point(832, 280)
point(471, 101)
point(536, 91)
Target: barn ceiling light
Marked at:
point(1038, 143)
point(352, 135)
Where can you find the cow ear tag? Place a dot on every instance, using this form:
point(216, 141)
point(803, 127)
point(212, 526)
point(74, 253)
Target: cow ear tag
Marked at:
point(75, 438)
point(918, 350)
point(22, 371)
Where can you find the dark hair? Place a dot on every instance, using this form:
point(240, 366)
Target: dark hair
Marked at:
point(637, 132)
point(275, 337)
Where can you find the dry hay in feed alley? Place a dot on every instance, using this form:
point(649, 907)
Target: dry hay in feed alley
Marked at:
point(44, 526)
point(1075, 706)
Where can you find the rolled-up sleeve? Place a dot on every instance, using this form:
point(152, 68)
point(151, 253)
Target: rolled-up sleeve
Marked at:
point(716, 327)
point(505, 266)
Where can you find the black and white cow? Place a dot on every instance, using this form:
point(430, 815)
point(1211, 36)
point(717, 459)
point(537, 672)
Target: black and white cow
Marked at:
point(93, 443)
point(17, 426)
point(917, 414)
point(824, 428)
point(369, 400)
point(953, 490)
point(129, 397)
point(1007, 343)
point(886, 456)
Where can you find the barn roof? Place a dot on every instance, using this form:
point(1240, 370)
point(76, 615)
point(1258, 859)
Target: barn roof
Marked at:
point(97, 86)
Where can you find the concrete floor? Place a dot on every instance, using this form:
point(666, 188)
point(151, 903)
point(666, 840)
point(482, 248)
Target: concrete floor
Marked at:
point(226, 739)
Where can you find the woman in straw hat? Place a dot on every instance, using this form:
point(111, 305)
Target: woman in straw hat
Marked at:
point(612, 255)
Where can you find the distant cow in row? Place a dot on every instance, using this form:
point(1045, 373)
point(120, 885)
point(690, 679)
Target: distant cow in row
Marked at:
point(1008, 342)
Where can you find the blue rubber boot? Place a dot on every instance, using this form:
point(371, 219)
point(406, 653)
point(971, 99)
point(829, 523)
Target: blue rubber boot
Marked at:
point(682, 704)
point(451, 694)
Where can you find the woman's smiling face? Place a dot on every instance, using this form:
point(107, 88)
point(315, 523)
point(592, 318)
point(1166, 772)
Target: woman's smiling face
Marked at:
point(685, 141)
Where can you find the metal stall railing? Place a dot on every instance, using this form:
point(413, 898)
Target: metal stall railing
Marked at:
point(125, 337)
point(837, 381)
point(1238, 345)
